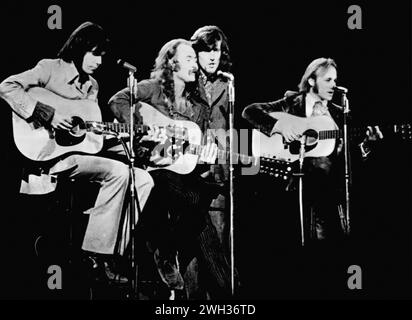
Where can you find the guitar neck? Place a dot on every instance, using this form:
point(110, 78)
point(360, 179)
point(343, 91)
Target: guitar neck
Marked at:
point(330, 134)
point(403, 130)
point(115, 127)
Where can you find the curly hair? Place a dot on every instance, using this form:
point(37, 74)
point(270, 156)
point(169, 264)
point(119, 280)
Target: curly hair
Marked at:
point(312, 69)
point(163, 71)
point(205, 39)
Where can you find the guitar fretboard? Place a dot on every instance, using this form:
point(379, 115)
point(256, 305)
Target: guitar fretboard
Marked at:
point(404, 131)
point(114, 126)
point(171, 131)
point(330, 134)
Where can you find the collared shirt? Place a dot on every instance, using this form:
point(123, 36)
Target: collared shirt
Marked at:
point(55, 75)
point(60, 77)
point(310, 101)
point(208, 86)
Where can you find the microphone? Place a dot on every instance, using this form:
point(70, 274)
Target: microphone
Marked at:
point(227, 75)
point(340, 89)
point(126, 65)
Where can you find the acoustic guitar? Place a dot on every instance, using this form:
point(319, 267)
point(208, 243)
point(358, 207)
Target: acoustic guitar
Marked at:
point(320, 139)
point(183, 146)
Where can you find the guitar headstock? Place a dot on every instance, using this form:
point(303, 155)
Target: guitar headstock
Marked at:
point(399, 131)
point(404, 131)
point(279, 169)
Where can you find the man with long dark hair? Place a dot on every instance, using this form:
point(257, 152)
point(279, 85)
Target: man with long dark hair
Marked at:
point(212, 50)
point(177, 206)
point(69, 76)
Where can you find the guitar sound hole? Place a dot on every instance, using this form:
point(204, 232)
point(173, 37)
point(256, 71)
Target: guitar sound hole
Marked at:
point(71, 137)
point(78, 125)
point(178, 147)
point(311, 137)
point(172, 148)
point(310, 143)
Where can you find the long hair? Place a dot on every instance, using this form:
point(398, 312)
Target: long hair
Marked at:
point(163, 71)
point(311, 72)
point(87, 37)
point(205, 39)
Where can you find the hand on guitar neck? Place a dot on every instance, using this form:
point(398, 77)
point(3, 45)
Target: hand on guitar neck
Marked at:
point(209, 152)
point(321, 134)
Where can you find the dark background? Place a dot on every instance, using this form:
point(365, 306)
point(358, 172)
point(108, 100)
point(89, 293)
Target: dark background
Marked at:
point(271, 45)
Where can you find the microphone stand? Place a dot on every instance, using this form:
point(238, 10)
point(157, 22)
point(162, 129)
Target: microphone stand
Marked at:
point(345, 105)
point(231, 92)
point(134, 206)
point(300, 175)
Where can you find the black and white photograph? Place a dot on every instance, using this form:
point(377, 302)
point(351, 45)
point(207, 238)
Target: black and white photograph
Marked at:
point(206, 151)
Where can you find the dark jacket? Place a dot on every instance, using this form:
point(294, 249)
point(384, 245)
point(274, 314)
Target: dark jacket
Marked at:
point(216, 116)
point(258, 113)
point(217, 111)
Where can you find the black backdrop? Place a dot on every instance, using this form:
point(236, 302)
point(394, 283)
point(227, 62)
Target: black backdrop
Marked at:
point(271, 44)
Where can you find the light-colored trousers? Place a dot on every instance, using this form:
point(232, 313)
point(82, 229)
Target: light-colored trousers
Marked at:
point(106, 214)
